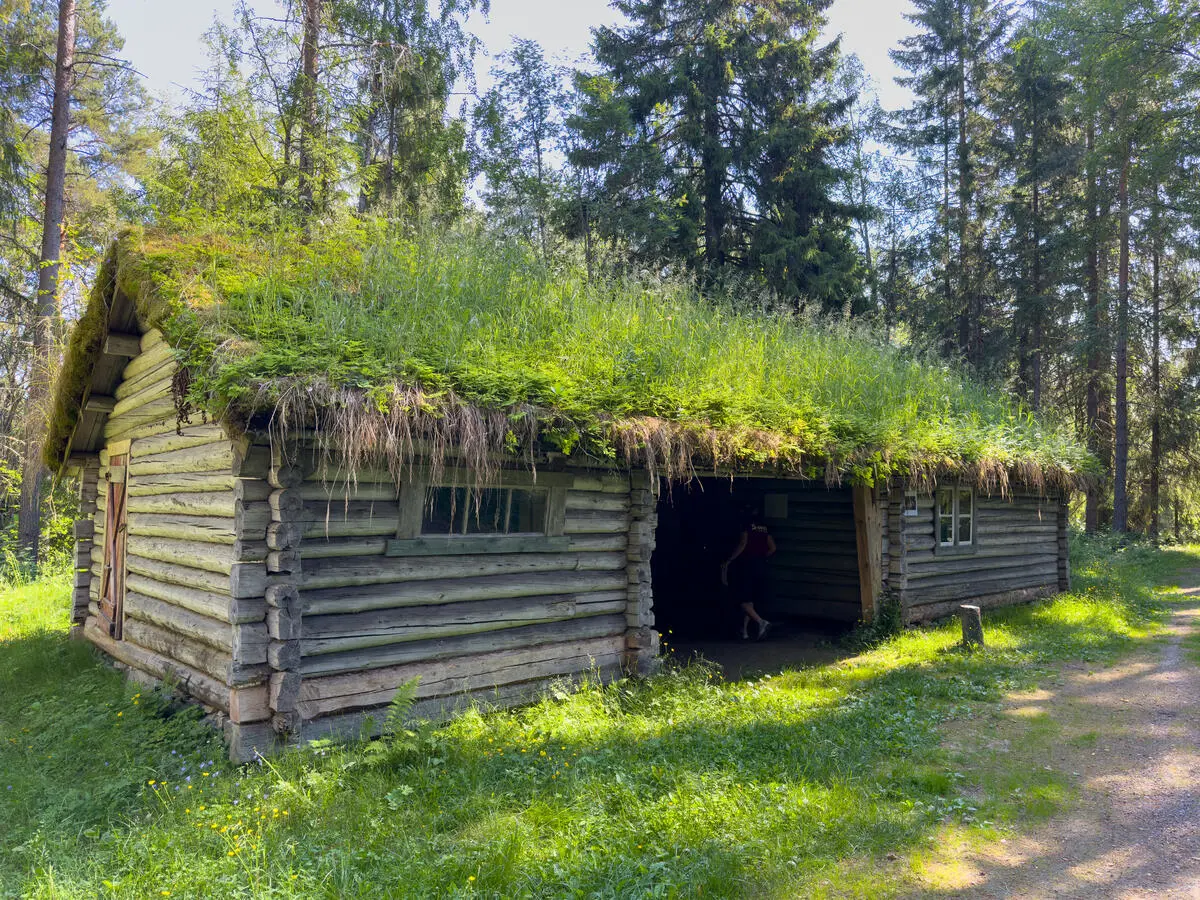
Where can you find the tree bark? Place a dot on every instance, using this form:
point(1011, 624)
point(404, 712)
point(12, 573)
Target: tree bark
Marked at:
point(308, 94)
point(30, 513)
point(1094, 358)
point(1155, 375)
point(1121, 432)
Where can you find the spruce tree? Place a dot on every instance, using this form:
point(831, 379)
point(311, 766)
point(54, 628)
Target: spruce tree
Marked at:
point(714, 142)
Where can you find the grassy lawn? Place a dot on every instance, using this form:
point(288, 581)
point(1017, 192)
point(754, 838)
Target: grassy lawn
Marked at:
point(803, 783)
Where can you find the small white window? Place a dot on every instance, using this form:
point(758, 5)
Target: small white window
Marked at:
point(910, 503)
point(955, 517)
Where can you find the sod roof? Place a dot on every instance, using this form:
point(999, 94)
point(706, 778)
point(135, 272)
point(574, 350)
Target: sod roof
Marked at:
point(397, 347)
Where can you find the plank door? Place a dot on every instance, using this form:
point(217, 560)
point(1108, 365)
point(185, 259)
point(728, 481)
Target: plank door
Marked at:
point(112, 575)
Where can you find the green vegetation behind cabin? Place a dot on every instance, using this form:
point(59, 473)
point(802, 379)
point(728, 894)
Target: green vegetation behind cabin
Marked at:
point(370, 332)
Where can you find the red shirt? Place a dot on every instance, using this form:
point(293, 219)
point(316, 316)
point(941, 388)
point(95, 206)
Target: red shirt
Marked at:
point(757, 543)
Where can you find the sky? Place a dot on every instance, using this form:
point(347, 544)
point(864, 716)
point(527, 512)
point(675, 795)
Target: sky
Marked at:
point(162, 37)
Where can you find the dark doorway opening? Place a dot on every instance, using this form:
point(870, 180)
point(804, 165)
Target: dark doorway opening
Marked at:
point(813, 593)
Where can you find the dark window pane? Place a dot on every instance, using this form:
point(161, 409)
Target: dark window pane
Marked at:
point(964, 529)
point(946, 529)
point(945, 502)
point(451, 510)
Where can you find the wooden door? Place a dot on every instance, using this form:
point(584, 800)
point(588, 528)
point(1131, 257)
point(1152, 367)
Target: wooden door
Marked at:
point(112, 575)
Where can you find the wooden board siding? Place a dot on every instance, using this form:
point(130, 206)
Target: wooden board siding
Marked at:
point(380, 611)
point(194, 609)
point(1016, 556)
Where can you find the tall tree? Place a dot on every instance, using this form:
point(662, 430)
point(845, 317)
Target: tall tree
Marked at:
point(309, 123)
point(950, 62)
point(518, 126)
point(30, 516)
point(714, 144)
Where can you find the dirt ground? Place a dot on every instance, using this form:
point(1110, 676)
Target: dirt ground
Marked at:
point(1130, 743)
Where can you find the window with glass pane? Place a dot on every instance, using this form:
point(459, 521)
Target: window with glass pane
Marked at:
point(461, 510)
point(965, 518)
point(946, 517)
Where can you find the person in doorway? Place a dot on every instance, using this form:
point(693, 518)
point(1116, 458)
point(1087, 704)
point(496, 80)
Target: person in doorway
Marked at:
point(754, 547)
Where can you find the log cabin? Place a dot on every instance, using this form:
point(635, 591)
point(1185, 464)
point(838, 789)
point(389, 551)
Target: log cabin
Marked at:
point(292, 584)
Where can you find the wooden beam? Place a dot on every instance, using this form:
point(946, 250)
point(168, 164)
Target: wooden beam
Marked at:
point(100, 403)
point(118, 344)
point(869, 538)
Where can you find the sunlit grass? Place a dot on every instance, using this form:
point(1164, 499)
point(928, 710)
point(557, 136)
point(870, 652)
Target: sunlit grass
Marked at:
point(681, 786)
point(461, 312)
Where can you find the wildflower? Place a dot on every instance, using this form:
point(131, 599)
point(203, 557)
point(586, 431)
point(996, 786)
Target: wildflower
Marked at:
point(470, 878)
point(165, 893)
point(120, 714)
point(150, 782)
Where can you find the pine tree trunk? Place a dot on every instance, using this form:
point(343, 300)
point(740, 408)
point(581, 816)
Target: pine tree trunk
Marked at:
point(1121, 433)
point(1092, 416)
point(308, 94)
point(1155, 378)
point(32, 474)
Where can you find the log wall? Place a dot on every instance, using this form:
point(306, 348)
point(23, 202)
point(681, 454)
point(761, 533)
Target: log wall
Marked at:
point(1019, 553)
point(815, 571)
point(469, 624)
point(194, 608)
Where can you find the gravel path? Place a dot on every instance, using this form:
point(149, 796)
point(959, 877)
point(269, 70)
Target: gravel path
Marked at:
point(1134, 830)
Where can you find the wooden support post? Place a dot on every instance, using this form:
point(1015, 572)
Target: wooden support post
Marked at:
point(868, 533)
point(641, 640)
point(1064, 550)
point(284, 611)
point(972, 625)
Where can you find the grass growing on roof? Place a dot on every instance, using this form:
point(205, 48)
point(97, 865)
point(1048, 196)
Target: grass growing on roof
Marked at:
point(680, 786)
point(367, 331)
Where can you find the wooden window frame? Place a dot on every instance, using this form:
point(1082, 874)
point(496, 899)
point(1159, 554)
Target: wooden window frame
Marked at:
point(955, 547)
point(907, 512)
point(410, 541)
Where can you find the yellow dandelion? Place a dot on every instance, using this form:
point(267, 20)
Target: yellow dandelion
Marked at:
point(151, 781)
point(165, 893)
point(470, 878)
point(120, 714)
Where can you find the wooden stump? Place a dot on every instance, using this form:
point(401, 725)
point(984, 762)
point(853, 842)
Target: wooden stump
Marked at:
point(972, 625)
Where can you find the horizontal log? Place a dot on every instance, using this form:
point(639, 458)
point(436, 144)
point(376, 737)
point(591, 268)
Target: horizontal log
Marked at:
point(146, 393)
point(337, 633)
point(121, 427)
point(213, 457)
point(360, 571)
point(147, 359)
point(936, 610)
point(848, 610)
point(359, 519)
point(321, 695)
point(187, 680)
point(609, 484)
point(334, 548)
point(164, 371)
point(203, 629)
point(595, 522)
point(594, 500)
point(180, 483)
point(421, 593)
point(471, 544)
point(969, 566)
point(191, 436)
point(597, 543)
point(315, 491)
point(984, 550)
point(464, 645)
point(915, 597)
point(192, 553)
point(245, 580)
point(336, 482)
point(206, 603)
point(201, 503)
point(210, 529)
point(181, 648)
